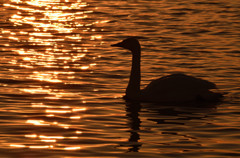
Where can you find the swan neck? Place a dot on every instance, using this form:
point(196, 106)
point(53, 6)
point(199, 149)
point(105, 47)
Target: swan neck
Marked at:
point(133, 88)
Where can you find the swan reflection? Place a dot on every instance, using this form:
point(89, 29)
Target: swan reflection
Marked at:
point(166, 116)
point(132, 112)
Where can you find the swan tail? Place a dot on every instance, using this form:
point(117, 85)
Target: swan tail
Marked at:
point(210, 96)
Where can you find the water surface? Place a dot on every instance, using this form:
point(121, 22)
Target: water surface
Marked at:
point(61, 82)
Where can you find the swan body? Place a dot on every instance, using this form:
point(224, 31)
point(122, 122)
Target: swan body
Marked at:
point(172, 88)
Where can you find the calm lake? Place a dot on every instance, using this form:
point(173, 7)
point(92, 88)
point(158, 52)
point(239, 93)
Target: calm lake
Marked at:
point(62, 83)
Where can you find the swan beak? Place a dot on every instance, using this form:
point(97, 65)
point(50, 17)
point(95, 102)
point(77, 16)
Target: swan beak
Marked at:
point(117, 45)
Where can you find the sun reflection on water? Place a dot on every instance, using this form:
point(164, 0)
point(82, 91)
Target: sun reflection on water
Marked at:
point(51, 48)
point(54, 111)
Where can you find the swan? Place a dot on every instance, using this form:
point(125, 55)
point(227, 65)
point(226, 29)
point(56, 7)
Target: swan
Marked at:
point(175, 88)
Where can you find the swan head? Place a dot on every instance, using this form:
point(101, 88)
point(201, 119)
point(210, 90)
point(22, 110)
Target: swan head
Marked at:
point(131, 44)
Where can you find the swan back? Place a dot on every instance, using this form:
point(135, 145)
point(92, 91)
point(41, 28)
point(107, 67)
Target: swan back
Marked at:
point(179, 88)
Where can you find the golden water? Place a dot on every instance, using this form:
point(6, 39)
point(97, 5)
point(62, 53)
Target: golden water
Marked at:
point(61, 82)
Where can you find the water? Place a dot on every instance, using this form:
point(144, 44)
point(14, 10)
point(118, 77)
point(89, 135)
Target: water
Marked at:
point(61, 82)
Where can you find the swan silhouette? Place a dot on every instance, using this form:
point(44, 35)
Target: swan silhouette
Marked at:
point(175, 88)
